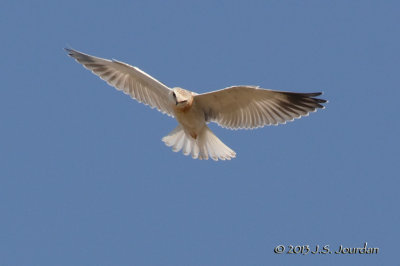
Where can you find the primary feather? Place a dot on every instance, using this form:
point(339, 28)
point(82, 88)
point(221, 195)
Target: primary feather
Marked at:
point(131, 80)
point(247, 107)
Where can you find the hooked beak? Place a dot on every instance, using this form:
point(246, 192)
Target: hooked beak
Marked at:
point(176, 103)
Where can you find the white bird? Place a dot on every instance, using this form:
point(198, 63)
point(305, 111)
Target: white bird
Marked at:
point(236, 107)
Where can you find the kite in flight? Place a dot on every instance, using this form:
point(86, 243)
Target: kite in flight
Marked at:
point(236, 107)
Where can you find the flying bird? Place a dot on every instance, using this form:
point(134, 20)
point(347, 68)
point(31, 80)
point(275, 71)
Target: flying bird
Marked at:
point(236, 107)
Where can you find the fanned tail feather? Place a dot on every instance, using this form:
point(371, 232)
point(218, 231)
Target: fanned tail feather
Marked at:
point(206, 145)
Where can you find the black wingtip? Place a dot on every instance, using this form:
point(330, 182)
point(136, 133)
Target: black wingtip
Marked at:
point(313, 94)
point(320, 100)
point(317, 100)
point(308, 99)
point(69, 51)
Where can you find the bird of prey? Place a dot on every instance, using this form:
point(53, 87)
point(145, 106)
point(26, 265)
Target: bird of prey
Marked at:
point(236, 107)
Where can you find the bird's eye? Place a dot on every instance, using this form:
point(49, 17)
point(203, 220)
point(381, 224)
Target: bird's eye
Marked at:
point(173, 94)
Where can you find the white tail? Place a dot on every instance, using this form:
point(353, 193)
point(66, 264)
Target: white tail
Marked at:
point(206, 145)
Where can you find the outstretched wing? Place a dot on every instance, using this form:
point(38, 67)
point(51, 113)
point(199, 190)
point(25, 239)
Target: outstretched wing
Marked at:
point(251, 107)
point(131, 80)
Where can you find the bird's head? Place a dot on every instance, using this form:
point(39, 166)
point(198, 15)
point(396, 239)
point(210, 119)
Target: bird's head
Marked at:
point(182, 98)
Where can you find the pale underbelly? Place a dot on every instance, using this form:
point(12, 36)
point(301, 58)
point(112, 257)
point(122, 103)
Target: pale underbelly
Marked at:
point(192, 121)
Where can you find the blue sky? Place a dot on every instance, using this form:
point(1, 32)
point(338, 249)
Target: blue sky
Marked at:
point(86, 180)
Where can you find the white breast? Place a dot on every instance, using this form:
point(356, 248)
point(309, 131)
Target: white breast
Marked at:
point(192, 119)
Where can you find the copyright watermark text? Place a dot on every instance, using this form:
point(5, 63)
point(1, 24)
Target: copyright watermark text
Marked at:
point(324, 249)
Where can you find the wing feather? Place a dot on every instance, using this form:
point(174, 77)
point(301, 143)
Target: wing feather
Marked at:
point(251, 107)
point(131, 80)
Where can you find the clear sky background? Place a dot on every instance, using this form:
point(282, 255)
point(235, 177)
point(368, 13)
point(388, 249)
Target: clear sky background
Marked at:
point(86, 180)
